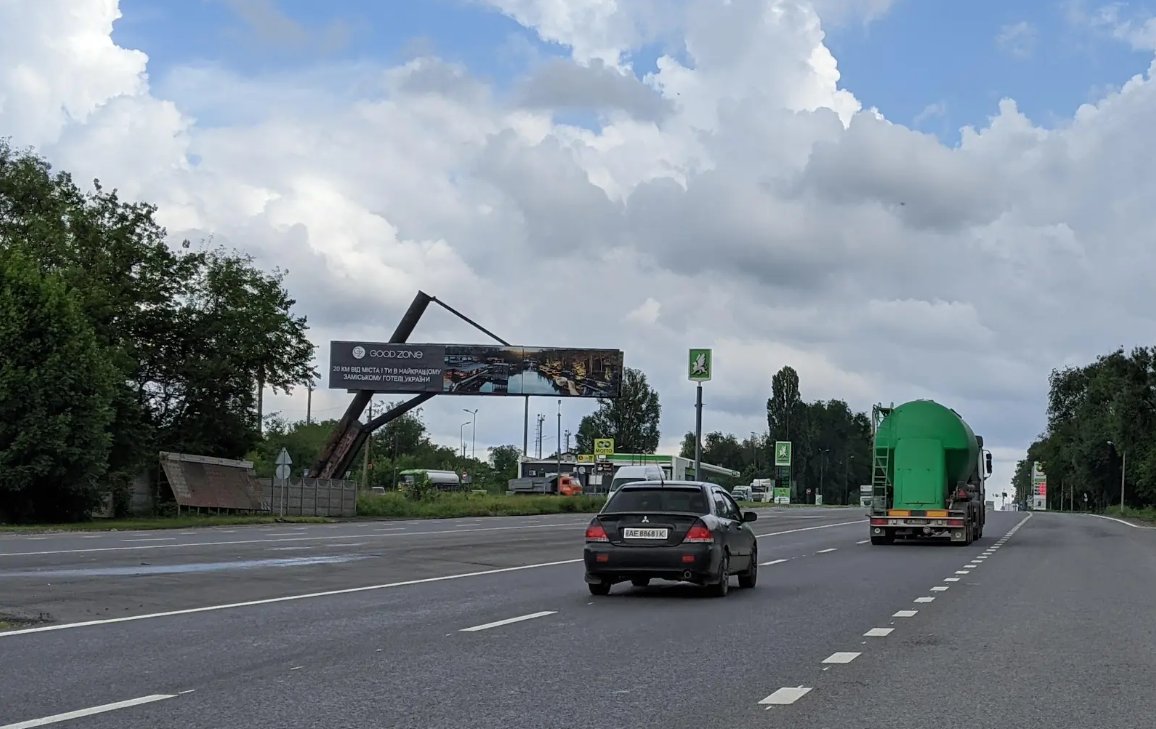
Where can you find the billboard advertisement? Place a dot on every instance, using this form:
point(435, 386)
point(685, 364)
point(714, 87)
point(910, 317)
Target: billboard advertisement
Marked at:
point(475, 369)
point(1039, 487)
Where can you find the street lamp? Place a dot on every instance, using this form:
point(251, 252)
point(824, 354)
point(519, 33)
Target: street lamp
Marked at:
point(463, 434)
point(1123, 470)
point(473, 433)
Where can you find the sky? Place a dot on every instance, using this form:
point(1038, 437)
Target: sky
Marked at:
point(899, 199)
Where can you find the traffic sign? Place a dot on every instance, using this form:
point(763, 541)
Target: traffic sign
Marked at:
point(699, 365)
point(283, 458)
point(782, 453)
point(603, 446)
point(282, 472)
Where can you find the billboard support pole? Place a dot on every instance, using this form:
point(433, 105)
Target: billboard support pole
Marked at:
point(526, 429)
point(350, 434)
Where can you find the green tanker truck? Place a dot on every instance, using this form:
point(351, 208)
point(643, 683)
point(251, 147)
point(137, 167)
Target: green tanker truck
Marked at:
point(927, 474)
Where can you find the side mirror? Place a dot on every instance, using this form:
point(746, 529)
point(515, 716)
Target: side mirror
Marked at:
point(750, 516)
point(987, 462)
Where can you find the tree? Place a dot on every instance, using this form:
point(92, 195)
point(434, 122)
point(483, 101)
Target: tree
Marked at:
point(504, 460)
point(192, 334)
point(784, 404)
point(631, 419)
point(57, 391)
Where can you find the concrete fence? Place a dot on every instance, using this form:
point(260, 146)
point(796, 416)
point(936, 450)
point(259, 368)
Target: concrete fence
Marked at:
point(309, 497)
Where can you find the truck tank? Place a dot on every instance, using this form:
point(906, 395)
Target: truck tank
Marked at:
point(928, 448)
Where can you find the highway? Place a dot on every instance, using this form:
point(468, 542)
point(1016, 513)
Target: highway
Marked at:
point(486, 623)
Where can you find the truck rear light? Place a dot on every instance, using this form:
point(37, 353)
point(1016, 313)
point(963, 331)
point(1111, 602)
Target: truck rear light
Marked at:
point(698, 534)
point(595, 533)
point(878, 522)
point(955, 522)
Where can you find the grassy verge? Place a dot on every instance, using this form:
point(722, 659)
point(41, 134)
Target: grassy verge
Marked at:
point(448, 506)
point(1148, 514)
point(175, 522)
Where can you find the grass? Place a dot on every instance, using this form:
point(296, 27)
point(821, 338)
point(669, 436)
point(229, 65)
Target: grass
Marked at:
point(171, 522)
point(1147, 514)
point(449, 506)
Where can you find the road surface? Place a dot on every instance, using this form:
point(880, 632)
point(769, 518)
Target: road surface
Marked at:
point(487, 623)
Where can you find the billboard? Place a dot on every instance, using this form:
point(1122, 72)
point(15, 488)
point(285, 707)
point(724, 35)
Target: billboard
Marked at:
point(475, 369)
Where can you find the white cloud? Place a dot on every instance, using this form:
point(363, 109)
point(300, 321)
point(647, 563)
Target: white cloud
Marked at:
point(1018, 39)
point(764, 214)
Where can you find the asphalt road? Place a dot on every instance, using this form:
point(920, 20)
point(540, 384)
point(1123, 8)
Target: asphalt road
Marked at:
point(487, 623)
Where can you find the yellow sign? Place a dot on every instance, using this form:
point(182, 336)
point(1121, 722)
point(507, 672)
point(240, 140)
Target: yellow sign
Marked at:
point(586, 458)
point(603, 446)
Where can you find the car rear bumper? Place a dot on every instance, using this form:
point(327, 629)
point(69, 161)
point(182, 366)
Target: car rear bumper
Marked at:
point(615, 563)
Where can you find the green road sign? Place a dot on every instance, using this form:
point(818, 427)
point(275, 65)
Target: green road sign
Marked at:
point(782, 453)
point(603, 446)
point(699, 365)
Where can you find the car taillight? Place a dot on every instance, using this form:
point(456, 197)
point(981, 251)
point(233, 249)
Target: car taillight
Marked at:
point(698, 534)
point(595, 533)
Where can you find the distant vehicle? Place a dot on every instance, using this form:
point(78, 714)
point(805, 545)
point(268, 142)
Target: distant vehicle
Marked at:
point(441, 480)
point(567, 485)
point(742, 493)
point(631, 474)
point(683, 531)
point(928, 476)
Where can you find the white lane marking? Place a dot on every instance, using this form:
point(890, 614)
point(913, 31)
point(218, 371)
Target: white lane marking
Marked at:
point(807, 529)
point(773, 561)
point(841, 657)
point(57, 718)
point(151, 539)
point(963, 572)
point(287, 549)
point(863, 541)
point(284, 598)
point(295, 539)
point(925, 599)
point(285, 534)
point(951, 579)
point(507, 621)
point(1120, 521)
point(900, 614)
point(35, 539)
point(93, 536)
point(939, 588)
point(878, 633)
point(785, 695)
point(825, 551)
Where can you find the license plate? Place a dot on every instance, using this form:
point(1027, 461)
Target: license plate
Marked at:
point(630, 533)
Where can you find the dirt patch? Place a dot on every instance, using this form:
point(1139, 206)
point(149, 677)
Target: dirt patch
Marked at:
point(16, 621)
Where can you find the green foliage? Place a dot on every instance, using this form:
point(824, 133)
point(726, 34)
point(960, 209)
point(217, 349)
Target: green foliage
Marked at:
point(421, 489)
point(631, 419)
point(56, 397)
point(191, 335)
point(452, 505)
point(504, 461)
point(1096, 414)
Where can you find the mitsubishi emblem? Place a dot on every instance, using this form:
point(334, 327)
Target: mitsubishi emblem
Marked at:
point(645, 520)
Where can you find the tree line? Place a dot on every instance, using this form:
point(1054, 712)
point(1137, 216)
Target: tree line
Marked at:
point(1100, 420)
point(115, 345)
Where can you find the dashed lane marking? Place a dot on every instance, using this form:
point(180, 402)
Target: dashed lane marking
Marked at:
point(69, 716)
point(841, 657)
point(924, 599)
point(507, 621)
point(878, 633)
point(905, 614)
point(825, 551)
point(939, 588)
point(773, 561)
point(782, 697)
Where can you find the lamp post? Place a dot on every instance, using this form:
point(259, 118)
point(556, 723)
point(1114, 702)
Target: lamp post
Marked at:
point(473, 433)
point(1123, 470)
point(463, 435)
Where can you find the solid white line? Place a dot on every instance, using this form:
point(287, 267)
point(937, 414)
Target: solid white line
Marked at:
point(507, 621)
point(773, 561)
point(88, 712)
point(1121, 521)
point(841, 657)
point(151, 539)
point(284, 598)
point(878, 633)
point(783, 696)
point(900, 614)
point(329, 538)
point(825, 551)
point(925, 599)
point(807, 529)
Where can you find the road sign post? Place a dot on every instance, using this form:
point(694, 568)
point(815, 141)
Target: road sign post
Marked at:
point(699, 365)
point(783, 463)
point(284, 465)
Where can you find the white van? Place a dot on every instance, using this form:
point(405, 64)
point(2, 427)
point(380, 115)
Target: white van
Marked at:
point(630, 474)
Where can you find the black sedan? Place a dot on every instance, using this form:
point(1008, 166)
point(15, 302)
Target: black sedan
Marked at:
point(684, 531)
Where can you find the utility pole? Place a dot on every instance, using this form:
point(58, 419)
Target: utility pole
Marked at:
point(473, 432)
point(559, 441)
point(567, 441)
point(526, 429)
point(309, 404)
point(541, 419)
point(365, 453)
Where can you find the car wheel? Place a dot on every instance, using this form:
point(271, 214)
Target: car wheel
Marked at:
point(722, 587)
point(640, 581)
point(599, 588)
point(748, 579)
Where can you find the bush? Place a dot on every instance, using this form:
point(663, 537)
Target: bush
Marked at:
point(439, 505)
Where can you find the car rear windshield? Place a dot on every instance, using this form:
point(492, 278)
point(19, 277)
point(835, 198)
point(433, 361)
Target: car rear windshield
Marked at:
point(658, 499)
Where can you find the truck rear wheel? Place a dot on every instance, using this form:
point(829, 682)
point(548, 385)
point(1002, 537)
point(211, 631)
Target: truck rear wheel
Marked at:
point(885, 538)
